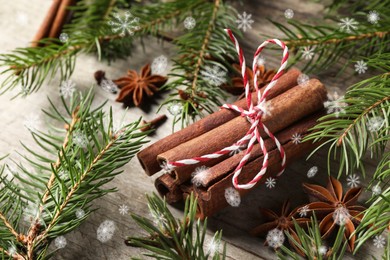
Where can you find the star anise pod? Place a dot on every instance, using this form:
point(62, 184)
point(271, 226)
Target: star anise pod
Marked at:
point(334, 208)
point(237, 87)
point(283, 221)
point(133, 85)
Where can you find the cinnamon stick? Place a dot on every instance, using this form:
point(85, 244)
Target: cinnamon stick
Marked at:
point(45, 27)
point(213, 199)
point(287, 108)
point(60, 18)
point(167, 188)
point(148, 156)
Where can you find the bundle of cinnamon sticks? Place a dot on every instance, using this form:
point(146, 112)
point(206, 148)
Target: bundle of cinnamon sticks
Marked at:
point(56, 17)
point(295, 109)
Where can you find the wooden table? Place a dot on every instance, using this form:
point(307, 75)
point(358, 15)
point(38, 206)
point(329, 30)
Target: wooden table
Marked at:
point(18, 23)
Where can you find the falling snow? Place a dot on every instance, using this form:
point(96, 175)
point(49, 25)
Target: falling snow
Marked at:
point(175, 108)
point(215, 75)
point(322, 250)
point(360, 67)
point(232, 197)
point(289, 13)
point(67, 88)
point(270, 183)
point(312, 172)
point(238, 149)
point(213, 246)
point(166, 168)
point(199, 175)
point(80, 213)
point(341, 215)
point(302, 80)
point(353, 180)
point(335, 105)
point(376, 190)
point(296, 138)
point(109, 86)
point(124, 23)
point(308, 52)
point(64, 37)
point(60, 242)
point(105, 231)
point(244, 21)
point(379, 241)
point(261, 60)
point(375, 123)
point(304, 211)
point(80, 139)
point(373, 17)
point(348, 24)
point(12, 250)
point(267, 108)
point(123, 209)
point(159, 65)
point(275, 238)
point(189, 23)
point(32, 122)
point(22, 18)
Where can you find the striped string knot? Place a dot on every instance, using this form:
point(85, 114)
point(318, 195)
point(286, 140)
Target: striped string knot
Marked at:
point(254, 114)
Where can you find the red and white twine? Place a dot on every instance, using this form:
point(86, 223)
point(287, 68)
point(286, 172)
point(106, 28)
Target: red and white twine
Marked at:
point(254, 115)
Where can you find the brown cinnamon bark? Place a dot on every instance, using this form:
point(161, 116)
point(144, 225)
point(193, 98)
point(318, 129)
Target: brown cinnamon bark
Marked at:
point(46, 25)
point(213, 199)
point(60, 18)
point(148, 156)
point(287, 108)
point(167, 188)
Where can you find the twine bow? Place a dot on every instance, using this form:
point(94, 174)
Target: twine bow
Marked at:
point(253, 114)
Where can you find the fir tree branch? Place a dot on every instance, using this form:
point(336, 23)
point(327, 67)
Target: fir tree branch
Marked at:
point(9, 226)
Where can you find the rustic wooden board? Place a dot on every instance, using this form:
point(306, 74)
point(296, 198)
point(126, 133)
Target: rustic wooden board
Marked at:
point(18, 23)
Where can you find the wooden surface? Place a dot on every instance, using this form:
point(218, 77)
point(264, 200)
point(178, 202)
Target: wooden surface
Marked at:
point(18, 24)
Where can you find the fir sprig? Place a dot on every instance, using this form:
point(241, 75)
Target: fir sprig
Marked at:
point(40, 203)
point(170, 238)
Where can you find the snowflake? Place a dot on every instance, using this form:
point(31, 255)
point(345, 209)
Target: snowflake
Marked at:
point(289, 13)
point(261, 60)
point(379, 241)
point(64, 37)
point(123, 209)
point(275, 238)
point(312, 171)
point(80, 139)
point(373, 17)
point(296, 138)
point(270, 183)
point(375, 123)
point(22, 18)
point(125, 23)
point(335, 106)
point(346, 24)
point(237, 149)
point(308, 52)
point(244, 21)
point(376, 190)
point(303, 211)
point(80, 213)
point(302, 80)
point(159, 64)
point(360, 67)
point(322, 250)
point(166, 168)
point(60, 242)
point(213, 246)
point(232, 197)
point(215, 76)
point(31, 212)
point(12, 250)
point(353, 180)
point(199, 175)
point(67, 88)
point(175, 108)
point(109, 86)
point(32, 122)
point(106, 231)
point(189, 23)
point(266, 107)
point(341, 215)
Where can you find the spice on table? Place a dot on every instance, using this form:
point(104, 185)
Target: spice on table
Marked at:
point(153, 124)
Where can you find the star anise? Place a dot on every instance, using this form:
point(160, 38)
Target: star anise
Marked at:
point(283, 221)
point(334, 208)
point(237, 87)
point(133, 85)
